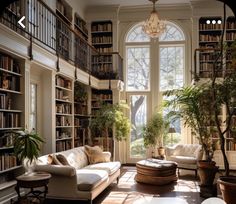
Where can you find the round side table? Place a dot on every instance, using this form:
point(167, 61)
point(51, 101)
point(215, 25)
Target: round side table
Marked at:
point(33, 180)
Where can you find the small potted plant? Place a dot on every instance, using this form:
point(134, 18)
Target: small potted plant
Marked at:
point(27, 147)
point(154, 131)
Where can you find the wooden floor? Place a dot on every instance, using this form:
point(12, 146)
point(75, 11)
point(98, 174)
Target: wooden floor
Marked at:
point(127, 191)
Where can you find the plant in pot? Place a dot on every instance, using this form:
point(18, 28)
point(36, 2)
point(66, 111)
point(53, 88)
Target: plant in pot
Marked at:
point(192, 105)
point(110, 116)
point(27, 148)
point(154, 131)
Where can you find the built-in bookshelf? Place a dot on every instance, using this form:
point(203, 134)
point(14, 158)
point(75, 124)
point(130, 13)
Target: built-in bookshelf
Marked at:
point(11, 108)
point(80, 26)
point(64, 11)
point(98, 98)
point(64, 113)
point(102, 40)
point(210, 29)
point(81, 116)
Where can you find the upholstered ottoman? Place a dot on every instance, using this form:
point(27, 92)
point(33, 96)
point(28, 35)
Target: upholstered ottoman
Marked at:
point(156, 172)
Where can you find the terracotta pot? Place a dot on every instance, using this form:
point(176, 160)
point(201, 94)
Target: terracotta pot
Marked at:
point(161, 151)
point(227, 186)
point(207, 171)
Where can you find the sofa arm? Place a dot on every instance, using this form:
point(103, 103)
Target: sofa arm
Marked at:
point(107, 156)
point(57, 169)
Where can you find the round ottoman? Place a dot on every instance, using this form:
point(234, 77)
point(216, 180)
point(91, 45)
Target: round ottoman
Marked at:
point(156, 172)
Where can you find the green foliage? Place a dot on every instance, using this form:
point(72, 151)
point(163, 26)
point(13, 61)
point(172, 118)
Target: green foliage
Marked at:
point(193, 105)
point(109, 116)
point(155, 130)
point(27, 145)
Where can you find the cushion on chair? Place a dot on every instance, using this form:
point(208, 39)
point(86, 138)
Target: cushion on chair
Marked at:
point(109, 167)
point(183, 159)
point(89, 179)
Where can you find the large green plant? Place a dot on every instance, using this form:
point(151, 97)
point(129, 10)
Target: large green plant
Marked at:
point(109, 116)
point(27, 145)
point(192, 105)
point(154, 130)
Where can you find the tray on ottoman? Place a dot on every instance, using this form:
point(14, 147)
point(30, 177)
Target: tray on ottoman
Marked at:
point(156, 172)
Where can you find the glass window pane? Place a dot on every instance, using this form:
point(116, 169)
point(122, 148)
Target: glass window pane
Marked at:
point(137, 35)
point(138, 104)
point(138, 62)
point(172, 139)
point(172, 33)
point(171, 67)
point(33, 107)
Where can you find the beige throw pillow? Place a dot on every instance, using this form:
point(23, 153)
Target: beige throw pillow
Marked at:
point(62, 159)
point(52, 159)
point(95, 154)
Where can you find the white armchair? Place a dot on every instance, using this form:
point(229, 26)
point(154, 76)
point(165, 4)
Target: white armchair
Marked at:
point(185, 155)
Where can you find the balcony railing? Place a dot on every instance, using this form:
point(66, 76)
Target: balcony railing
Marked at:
point(47, 29)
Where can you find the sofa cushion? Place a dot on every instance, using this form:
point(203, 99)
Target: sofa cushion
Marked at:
point(186, 150)
point(109, 167)
point(52, 159)
point(76, 157)
point(183, 159)
point(94, 154)
point(88, 179)
point(61, 158)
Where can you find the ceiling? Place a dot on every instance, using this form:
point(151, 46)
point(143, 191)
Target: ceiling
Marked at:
point(134, 2)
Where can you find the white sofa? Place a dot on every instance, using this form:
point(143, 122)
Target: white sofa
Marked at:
point(185, 155)
point(79, 180)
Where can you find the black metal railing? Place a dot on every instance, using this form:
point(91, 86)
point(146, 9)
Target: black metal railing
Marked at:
point(47, 29)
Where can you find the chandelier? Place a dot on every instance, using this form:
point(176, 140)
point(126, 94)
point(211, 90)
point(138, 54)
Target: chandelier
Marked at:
point(153, 26)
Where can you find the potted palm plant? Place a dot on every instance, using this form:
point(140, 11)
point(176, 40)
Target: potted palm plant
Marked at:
point(27, 147)
point(192, 105)
point(154, 131)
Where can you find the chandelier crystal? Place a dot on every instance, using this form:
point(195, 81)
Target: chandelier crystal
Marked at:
point(153, 26)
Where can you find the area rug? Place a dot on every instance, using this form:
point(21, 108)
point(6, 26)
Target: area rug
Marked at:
point(139, 198)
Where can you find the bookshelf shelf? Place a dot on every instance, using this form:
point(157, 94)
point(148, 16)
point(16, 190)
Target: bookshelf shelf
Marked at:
point(10, 72)
point(10, 169)
point(64, 113)
point(11, 111)
point(80, 26)
point(10, 91)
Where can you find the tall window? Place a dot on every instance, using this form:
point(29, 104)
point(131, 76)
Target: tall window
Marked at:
point(169, 65)
point(33, 107)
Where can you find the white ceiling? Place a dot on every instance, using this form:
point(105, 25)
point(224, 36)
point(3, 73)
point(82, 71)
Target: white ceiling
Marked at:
point(133, 2)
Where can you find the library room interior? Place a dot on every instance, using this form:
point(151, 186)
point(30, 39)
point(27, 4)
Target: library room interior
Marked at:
point(117, 102)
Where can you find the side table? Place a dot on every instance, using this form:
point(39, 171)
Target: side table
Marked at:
point(33, 180)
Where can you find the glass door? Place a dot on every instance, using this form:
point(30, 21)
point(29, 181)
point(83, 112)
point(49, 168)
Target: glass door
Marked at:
point(138, 117)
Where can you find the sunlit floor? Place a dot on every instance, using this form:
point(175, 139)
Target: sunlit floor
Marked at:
point(128, 191)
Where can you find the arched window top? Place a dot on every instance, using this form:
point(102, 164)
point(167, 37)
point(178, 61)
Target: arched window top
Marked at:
point(136, 34)
point(172, 33)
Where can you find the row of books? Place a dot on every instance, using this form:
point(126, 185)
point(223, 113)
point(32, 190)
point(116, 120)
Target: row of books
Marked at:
point(102, 67)
point(207, 38)
point(5, 101)
point(231, 25)
point(208, 74)
point(63, 108)
point(62, 82)
point(9, 64)
point(101, 96)
point(102, 58)
point(102, 39)
point(207, 56)
point(231, 145)
point(8, 120)
point(230, 36)
point(210, 26)
point(6, 140)
point(7, 161)
point(10, 82)
point(104, 49)
point(102, 27)
point(63, 145)
point(62, 134)
point(62, 94)
point(81, 109)
point(63, 121)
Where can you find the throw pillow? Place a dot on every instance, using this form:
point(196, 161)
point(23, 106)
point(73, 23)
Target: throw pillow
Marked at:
point(94, 154)
point(62, 159)
point(52, 159)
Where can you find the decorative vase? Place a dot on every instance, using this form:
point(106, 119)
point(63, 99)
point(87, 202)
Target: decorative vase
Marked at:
point(29, 166)
point(227, 186)
point(161, 151)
